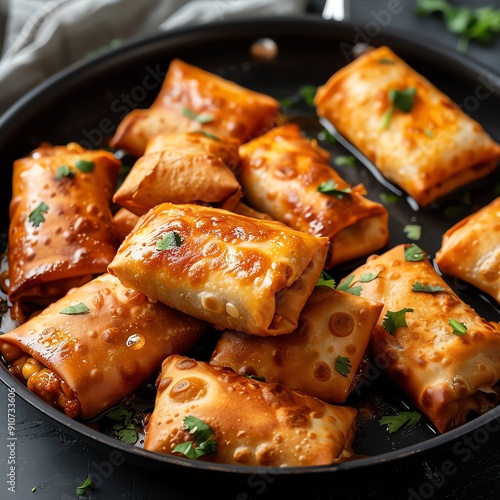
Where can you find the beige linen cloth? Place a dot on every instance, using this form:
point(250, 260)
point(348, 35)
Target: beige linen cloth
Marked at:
point(40, 37)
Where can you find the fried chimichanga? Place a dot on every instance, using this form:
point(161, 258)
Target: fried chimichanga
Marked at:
point(61, 230)
point(253, 423)
point(414, 134)
point(439, 351)
point(233, 271)
point(471, 250)
point(283, 174)
point(320, 358)
point(192, 99)
point(96, 345)
point(182, 168)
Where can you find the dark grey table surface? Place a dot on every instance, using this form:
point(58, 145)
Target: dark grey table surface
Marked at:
point(55, 462)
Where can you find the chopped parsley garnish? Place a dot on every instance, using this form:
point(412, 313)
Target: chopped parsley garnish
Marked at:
point(324, 135)
point(389, 197)
point(124, 429)
point(347, 285)
point(413, 231)
point(343, 365)
point(307, 92)
point(414, 253)
point(345, 161)
point(256, 377)
point(395, 319)
point(202, 444)
point(419, 287)
point(85, 166)
point(82, 490)
point(169, 241)
point(402, 419)
point(36, 217)
point(428, 132)
point(79, 308)
point(400, 99)
point(459, 328)
point(325, 280)
point(469, 24)
point(330, 188)
point(64, 171)
point(201, 118)
point(207, 134)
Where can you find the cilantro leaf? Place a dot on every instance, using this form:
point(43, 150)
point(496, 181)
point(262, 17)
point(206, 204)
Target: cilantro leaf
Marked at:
point(64, 171)
point(367, 277)
point(85, 166)
point(402, 419)
point(400, 99)
point(419, 287)
point(36, 217)
point(201, 118)
point(459, 329)
point(343, 365)
point(202, 434)
point(389, 197)
point(79, 308)
point(307, 92)
point(413, 231)
point(330, 188)
point(345, 161)
point(82, 490)
point(346, 286)
point(124, 428)
point(169, 241)
point(395, 319)
point(414, 253)
point(325, 280)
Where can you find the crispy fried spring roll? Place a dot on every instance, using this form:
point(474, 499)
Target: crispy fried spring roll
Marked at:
point(61, 230)
point(182, 168)
point(191, 99)
point(471, 250)
point(422, 142)
point(446, 357)
point(253, 423)
point(320, 358)
point(281, 172)
point(233, 271)
point(96, 345)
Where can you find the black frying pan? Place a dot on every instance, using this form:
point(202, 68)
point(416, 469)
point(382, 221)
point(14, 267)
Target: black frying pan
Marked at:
point(86, 102)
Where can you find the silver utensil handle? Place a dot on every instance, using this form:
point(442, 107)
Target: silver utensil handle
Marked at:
point(338, 10)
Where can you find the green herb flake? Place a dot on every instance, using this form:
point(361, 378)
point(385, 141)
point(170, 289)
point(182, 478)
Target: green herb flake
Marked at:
point(64, 171)
point(413, 253)
point(389, 198)
point(419, 287)
point(326, 280)
point(201, 118)
point(386, 60)
point(395, 319)
point(202, 435)
point(367, 277)
point(169, 241)
point(402, 419)
point(124, 428)
point(256, 377)
point(85, 166)
point(343, 365)
point(330, 188)
point(345, 161)
point(459, 329)
point(82, 490)
point(402, 100)
point(324, 135)
point(346, 286)
point(307, 92)
point(33, 489)
point(207, 134)
point(428, 132)
point(36, 217)
point(79, 308)
point(413, 231)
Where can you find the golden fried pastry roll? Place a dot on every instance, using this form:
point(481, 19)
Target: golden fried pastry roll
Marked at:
point(320, 358)
point(61, 230)
point(182, 168)
point(192, 99)
point(439, 351)
point(96, 345)
point(243, 209)
point(413, 133)
point(250, 422)
point(471, 250)
point(233, 271)
point(289, 177)
point(124, 221)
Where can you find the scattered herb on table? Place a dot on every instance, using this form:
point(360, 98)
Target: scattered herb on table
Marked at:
point(402, 419)
point(413, 231)
point(82, 490)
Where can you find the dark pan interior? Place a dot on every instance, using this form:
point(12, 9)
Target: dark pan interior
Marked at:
point(86, 102)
